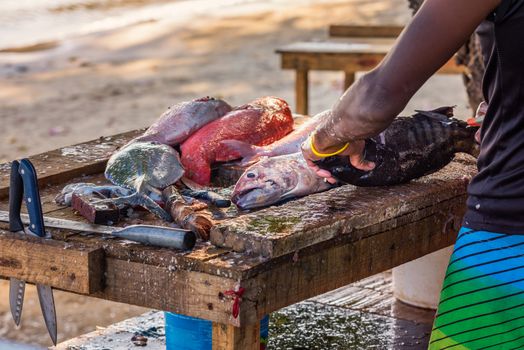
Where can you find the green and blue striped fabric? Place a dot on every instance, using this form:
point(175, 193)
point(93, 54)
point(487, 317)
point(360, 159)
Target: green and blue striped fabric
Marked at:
point(482, 299)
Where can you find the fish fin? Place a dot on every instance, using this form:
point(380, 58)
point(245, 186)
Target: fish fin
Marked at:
point(292, 193)
point(248, 152)
point(139, 184)
point(446, 111)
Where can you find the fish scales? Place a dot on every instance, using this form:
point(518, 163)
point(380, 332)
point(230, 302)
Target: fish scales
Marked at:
point(260, 122)
point(409, 148)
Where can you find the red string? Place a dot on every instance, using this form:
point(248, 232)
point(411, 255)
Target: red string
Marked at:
point(238, 298)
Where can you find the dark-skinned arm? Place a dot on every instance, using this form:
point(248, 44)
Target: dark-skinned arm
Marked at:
point(435, 33)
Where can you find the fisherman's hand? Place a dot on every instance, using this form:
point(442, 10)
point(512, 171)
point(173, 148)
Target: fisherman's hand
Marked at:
point(354, 151)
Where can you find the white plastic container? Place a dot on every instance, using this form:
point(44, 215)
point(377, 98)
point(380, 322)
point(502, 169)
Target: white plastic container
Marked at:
point(418, 282)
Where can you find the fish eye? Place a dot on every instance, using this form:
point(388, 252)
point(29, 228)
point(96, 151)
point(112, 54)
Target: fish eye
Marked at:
point(251, 175)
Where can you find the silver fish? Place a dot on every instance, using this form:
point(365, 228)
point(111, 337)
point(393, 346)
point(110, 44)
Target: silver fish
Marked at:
point(181, 120)
point(287, 145)
point(275, 179)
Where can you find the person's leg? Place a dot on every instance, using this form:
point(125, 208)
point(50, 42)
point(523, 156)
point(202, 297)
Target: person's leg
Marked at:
point(482, 299)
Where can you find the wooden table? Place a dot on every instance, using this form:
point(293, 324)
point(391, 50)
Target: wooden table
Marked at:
point(350, 56)
point(279, 255)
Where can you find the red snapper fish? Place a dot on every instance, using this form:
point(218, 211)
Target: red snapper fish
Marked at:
point(287, 145)
point(181, 120)
point(260, 122)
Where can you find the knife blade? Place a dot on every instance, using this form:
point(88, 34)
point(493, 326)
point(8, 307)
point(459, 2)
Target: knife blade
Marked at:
point(16, 298)
point(16, 194)
point(47, 305)
point(160, 236)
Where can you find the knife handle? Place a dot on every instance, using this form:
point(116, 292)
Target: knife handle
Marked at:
point(158, 236)
point(32, 198)
point(16, 192)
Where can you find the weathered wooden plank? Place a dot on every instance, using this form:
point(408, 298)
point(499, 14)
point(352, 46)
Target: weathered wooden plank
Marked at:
point(227, 337)
point(284, 229)
point(365, 31)
point(60, 165)
point(65, 266)
point(345, 56)
point(322, 268)
point(181, 291)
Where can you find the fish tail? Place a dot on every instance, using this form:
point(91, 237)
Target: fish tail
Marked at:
point(249, 153)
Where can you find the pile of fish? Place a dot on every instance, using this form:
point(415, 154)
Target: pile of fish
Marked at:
point(409, 148)
point(259, 123)
point(183, 144)
point(155, 169)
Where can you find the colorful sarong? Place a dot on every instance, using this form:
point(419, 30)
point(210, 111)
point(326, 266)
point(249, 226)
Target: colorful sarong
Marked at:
point(482, 299)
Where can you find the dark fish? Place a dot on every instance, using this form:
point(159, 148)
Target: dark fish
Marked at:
point(208, 196)
point(409, 148)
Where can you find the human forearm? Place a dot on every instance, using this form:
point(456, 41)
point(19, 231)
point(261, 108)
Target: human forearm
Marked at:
point(434, 35)
point(366, 109)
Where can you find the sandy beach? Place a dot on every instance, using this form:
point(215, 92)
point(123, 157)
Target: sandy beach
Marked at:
point(66, 91)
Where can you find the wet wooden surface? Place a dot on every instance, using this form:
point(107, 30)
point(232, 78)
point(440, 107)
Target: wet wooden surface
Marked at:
point(299, 250)
point(347, 210)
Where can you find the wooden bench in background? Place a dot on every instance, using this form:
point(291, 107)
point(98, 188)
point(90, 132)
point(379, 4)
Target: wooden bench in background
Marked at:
point(365, 48)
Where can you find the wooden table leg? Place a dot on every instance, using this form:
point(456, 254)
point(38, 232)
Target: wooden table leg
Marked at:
point(301, 91)
point(227, 337)
point(349, 78)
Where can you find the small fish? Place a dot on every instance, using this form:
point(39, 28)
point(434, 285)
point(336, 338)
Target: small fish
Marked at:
point(208, 196)
point(409, 148)
point(181, 120)
point(260, 122)
point(146, 168)
point(275, 179)
point(287, 145)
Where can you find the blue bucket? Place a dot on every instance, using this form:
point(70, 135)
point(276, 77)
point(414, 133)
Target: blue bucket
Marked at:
point(191, 333)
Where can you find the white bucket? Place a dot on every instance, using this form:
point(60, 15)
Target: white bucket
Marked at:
point(418, 282)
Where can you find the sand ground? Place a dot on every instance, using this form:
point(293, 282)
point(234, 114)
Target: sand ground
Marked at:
point(118, 80)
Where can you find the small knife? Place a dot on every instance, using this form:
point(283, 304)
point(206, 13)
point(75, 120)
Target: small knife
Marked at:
point(159, 236)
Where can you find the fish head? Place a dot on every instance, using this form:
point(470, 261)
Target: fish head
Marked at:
point(263, 184)
point(221, 107)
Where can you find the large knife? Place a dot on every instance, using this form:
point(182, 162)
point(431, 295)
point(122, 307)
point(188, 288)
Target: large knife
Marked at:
point(159, 236)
